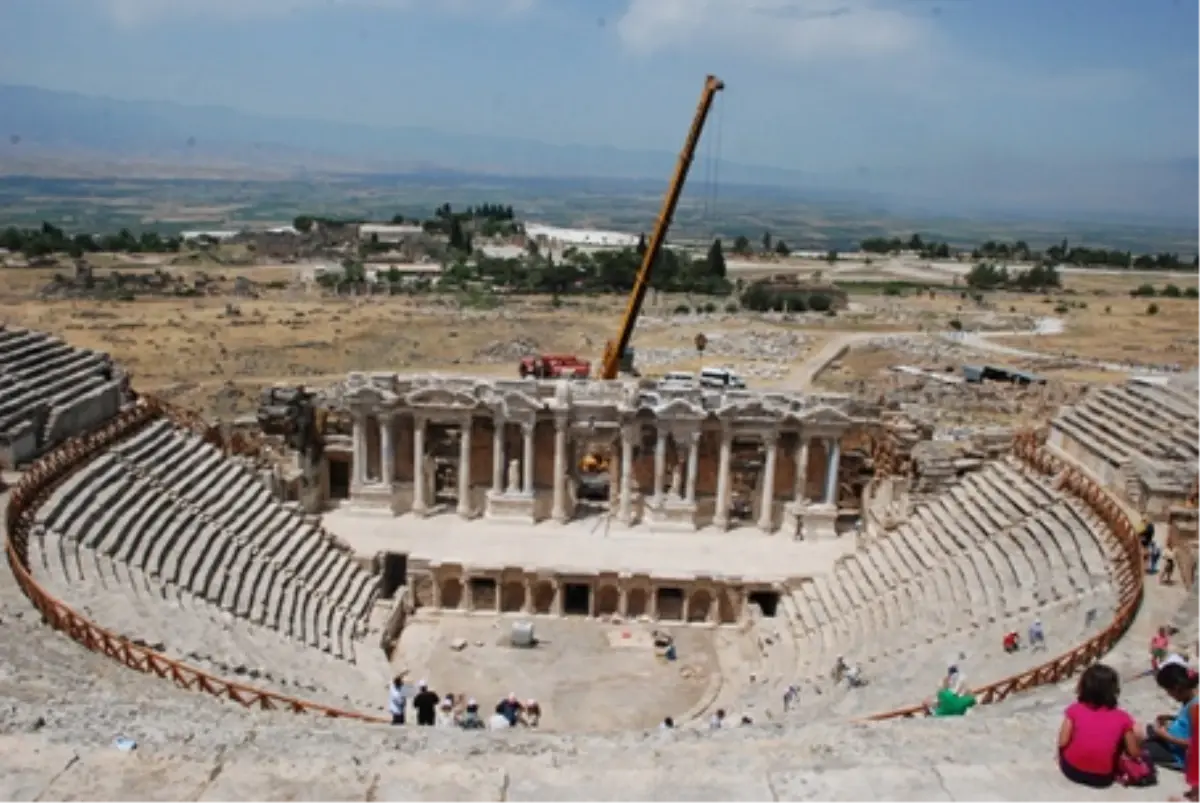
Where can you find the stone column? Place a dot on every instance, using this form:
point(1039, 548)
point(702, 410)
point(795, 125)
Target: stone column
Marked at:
point(498, 425)
point(625, 512)
point(721, 516)
point(387, 453)
point(464, 469)
point(801, 471)
point(527, 606)
point(527, 459)
point(559, 512)
point(360, 449)
point(660, 461)
point(419, 505)
point(831, 470)
point(693, 464)
point(766, 516)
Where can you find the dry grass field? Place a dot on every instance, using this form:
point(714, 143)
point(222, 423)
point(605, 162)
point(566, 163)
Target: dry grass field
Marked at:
point(215, 352)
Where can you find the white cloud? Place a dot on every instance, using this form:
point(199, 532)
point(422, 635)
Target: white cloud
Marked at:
point(797, 30)
point(132, 13)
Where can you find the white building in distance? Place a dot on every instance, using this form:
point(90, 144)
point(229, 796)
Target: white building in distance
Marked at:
point(594, 238)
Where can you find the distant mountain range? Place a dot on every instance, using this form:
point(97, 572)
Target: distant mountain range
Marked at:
point(45, 132)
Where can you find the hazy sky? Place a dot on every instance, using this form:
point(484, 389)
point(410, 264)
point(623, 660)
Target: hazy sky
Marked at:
point(826, 85)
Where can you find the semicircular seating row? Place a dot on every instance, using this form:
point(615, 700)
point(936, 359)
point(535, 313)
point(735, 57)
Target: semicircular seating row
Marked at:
point(986, 556)
point(165, 541)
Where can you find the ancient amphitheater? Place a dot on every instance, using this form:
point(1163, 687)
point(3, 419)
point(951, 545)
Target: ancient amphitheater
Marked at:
point(235, 603)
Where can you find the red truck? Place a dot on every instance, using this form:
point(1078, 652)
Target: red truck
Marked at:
point(553, 366)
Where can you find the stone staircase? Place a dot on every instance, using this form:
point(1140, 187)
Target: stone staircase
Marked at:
point(166, 542)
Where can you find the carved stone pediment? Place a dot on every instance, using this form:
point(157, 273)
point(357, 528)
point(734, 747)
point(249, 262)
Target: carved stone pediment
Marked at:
point(441, 398)
point(367, 396)
point(680, 410)
point(515, 405)
point(825, 416)
point(750, 410)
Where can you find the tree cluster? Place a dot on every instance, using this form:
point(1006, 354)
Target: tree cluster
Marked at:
point(763, 297)
point(989, 276)
point(894, 245)
point(1168, 291)
point(50, 239)
point(599, 272)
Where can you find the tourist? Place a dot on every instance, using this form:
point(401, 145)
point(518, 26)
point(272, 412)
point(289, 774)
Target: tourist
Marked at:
point(839, 669)
point(1160, 643)
point(1147, 535)
point(717, 721)
point(954, 680)
point(397, 700)
point(531, 716)
point(1168, 570)
point(1167, 739)
point(668, 723)
point(445, 714)
point(426, 704)
point(510, 708)
point(854, 678)
point(1155, 557)
point(1037, 635)
point(470, 719)
point(790, 695)
point(1012, 642)
point(1095, 731)
point(949, 703)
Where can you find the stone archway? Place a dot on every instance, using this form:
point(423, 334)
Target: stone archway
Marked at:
point(512, 597)
point(699, 606)
point(726, 611)
point(543, 597)
point(423, 591)
point(452, 593)
point(636, 604)
point(608, 601)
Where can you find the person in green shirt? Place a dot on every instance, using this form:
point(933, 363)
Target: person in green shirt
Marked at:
point(951, 704)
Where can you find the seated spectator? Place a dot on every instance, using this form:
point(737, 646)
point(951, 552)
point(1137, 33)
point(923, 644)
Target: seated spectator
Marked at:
point(1037, 635)
point(532, 713)
point(1012, 642)
point(1168, 738)
point(510, 708)
point(1168, 570)
point(1095, 731)
point(470, 719)
point(445, 713)
point(668, 723)
point(717, 720)
point(949, 703)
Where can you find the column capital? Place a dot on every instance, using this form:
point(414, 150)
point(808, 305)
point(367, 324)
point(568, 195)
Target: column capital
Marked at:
point(528, 426)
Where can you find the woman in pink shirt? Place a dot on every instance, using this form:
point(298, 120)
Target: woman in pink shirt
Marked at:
point(1095, 731)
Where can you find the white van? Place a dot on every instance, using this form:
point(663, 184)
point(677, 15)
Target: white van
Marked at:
point(721, 378)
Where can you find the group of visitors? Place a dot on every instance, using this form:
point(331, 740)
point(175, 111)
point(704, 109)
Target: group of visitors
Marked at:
point(1152, 554)
point(1037, 638)
point(434, 710)
point(1100, 744)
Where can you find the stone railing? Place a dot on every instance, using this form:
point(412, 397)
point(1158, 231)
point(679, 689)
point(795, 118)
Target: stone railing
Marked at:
point(1127, 573)
point(35, 487)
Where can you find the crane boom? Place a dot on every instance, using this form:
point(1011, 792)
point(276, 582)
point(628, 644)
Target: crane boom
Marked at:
point(610, 365)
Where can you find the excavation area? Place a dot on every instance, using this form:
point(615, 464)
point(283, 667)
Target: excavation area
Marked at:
point(587, 675)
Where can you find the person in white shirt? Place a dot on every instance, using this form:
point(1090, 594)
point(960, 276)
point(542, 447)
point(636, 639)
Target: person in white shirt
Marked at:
point(397, 700)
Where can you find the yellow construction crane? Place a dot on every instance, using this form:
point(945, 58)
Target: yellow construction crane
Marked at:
point(611, 364)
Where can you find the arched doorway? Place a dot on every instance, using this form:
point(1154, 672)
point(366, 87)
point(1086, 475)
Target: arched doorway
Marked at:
point(699, 606)
point(452, 593)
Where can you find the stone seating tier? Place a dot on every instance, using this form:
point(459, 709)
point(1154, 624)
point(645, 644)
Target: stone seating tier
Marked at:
point(980, 559)
point(132, 602)
point(255, 559)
